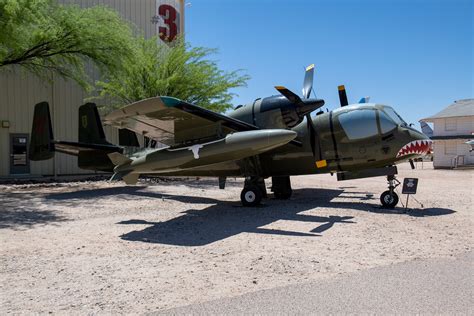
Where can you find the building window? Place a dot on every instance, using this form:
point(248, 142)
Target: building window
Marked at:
point(450, 148)
point(450, 124)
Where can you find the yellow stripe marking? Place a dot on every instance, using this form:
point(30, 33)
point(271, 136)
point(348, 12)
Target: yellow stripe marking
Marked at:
point(279, 87)
point(310, 67)
point(321, 163)
point(341, 87)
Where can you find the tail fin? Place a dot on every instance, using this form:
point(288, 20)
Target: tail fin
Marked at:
point(42, 140)
point(426, 129)
point(128, 138)
point(90, 126)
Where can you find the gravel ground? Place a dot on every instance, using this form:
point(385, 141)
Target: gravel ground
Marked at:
point(97, 247)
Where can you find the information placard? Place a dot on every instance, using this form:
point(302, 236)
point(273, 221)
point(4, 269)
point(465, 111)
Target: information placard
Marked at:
point(410, 185)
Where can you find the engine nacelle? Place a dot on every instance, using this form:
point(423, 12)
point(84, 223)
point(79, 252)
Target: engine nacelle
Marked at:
point(275, 112)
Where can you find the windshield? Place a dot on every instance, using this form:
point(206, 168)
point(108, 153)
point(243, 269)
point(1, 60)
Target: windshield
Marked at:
point(386, 123)
point(393, 115)
point(359, 124)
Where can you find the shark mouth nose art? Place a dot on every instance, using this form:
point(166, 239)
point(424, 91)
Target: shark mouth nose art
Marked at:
point(417, 147)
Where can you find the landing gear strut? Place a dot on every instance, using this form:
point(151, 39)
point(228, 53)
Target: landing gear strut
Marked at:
point(253, 192)
point(389, 198)
point(281, 187)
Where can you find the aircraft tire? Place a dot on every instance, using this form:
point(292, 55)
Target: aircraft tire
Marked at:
point(389, 199)
point(251, 195)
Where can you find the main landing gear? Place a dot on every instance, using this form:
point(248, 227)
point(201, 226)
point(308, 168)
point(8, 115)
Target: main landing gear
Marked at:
point(389, 198)
point(254, 190)
point(281, 187)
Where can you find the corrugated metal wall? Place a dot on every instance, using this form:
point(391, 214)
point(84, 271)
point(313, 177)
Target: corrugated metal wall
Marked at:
point(19, 93)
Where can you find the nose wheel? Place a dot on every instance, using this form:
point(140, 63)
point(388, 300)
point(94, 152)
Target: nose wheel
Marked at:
point(389, 198)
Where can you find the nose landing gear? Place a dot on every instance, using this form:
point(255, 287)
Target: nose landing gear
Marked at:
point(389, 198)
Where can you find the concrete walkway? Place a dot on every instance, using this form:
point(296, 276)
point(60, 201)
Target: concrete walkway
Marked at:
point(436, 286)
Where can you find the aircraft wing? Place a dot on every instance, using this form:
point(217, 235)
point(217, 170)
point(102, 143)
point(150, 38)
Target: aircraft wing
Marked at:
point(172, 121)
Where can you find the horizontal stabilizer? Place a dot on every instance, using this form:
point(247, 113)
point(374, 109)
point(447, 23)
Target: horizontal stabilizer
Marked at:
point(119, 159)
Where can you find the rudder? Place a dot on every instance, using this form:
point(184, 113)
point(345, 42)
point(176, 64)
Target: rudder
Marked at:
point(42, 140)
point(90, 125)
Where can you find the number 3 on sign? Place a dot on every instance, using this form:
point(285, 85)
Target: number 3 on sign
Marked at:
point(169, 15)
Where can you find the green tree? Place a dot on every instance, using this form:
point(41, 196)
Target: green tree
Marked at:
point(44, 37)
point(179, 71)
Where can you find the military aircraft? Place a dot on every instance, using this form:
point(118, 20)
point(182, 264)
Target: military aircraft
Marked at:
point(470, 143)
point(274, 137)
point(426, 129)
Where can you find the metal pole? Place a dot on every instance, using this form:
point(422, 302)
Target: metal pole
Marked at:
point(55, 173)
point(183, 5)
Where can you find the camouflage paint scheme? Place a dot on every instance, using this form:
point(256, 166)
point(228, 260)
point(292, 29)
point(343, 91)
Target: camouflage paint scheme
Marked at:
point(377, 151)
point(270, 137)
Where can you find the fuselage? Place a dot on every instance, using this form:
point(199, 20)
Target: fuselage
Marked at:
point(351, 138)
point(354, 137)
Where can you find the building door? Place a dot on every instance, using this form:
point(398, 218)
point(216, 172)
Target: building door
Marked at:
point(19, 162)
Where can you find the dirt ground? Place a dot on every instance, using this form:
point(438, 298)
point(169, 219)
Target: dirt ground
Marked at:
point(97, 247)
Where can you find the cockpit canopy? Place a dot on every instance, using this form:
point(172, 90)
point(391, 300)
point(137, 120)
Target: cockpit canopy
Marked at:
point(359, 122)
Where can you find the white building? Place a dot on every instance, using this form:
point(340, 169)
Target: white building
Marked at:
point(452, 128)
point(19, 93)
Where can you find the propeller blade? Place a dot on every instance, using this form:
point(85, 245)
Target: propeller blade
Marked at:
point(342, 95)
point(308, 81)
point(291, 96)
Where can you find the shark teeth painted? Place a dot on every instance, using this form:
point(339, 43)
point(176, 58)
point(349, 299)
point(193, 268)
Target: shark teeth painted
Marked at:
point(416, 147)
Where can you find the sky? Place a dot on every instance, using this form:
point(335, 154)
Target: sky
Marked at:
point(415, 55)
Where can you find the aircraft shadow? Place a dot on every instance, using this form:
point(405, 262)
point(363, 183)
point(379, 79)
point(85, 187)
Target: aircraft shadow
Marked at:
point(223, 220)
point(126, 193)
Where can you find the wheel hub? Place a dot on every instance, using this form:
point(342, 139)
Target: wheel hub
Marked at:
point(388, 199)
point(250, 196)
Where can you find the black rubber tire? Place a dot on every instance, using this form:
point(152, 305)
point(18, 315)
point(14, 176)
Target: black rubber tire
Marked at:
point(283, 195)
point(389, 200)
point(251, 195)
